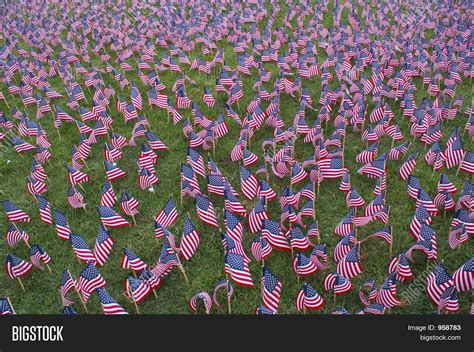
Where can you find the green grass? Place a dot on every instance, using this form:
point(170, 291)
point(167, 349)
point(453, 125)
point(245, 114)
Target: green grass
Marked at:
point(206, 267)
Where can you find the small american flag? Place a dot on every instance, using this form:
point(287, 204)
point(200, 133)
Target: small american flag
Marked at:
point(168, 214)
point(236, 266)
point(14, 214)
point(89, 280)
point(62, 226)
point(110, 218)
point(189, 241)
point(103, 245)
point(131, 261)
point(271, 289)
point(16, 267)
point(81, 249)
point(308, 298)
point(205, 210)
point(108, 304)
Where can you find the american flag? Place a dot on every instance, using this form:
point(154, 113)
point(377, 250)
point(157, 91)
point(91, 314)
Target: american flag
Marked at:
point(386, 294)
point(308, 298)
point(89, 280)
point(201, 296)
point(16, 267)
point(236, 266)
point(196, 161)
point(265, 191)
point(14, 214)
point(449, 300)
point(81, 249)
point(128, 204)
point(168, 214)
point(233, 246)
point(271, 289)
point(38, 254)
point(260, 248)
point(231, 202)
point(297, 239)
point(137, 289)
point(16, 234)
point(75, 176)
point(131, 261)
point(62, 225)
point(67, 284)
point(248, 183)
point(103, 245)
point(262, 310)
point(108, 197)
point(113, 172)
point(463, 277)
point(153, 280)
point(454, 153)
point(437, 282)
point(303, 266)
point(354, 199)
point(257, 215)
point(344, 246)
point(370, 286)
point(6, 307)
point(408, 166)
point(108, 304)
point(205, 210)
point(110, 218)
point(271, 231)
point(44, 210)
point(189, 241)
point(167, 260)
point(75, 198)
point(233, 225)
point(337, 283)
point(467, 162)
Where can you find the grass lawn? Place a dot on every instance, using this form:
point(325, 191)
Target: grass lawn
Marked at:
point(206, 267)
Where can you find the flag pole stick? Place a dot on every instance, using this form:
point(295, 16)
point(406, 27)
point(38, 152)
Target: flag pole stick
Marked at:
point(391, 243)
point(180, 266)
point(227, 293)
point(11, 306)
point(49, 268)
point(82, 299)
point(136, 305)
point(21, 283)
point(459, 167)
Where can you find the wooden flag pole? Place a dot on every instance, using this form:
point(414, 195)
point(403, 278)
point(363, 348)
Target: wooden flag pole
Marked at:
point(213, 142)
point(154, 292)
point(391, 243)
point(21, 283)
point(180, 265)
point(136, 305)
point(134, 221)
point(227, 293)
point(459, 167)
point(11, 306)
point(49, 269)
point(81, 298)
